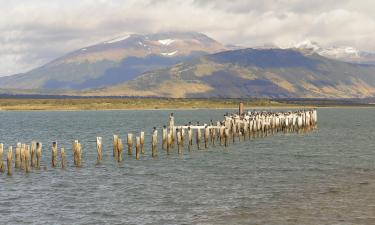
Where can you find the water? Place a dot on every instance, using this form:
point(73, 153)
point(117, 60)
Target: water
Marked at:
point(322, 177)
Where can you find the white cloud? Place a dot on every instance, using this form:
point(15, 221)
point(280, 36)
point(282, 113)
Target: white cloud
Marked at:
point(33, 32)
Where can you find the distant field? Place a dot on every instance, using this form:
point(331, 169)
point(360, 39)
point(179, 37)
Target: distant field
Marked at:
point(158, 103)
point(126, 103)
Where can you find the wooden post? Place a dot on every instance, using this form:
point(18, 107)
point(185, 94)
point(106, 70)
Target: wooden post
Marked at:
point(38, 154)
point(226, 136)
point(27, 159)
point(164, 137)
point(54, 154)
point(137, 148)
point(9, 160)
point(171, 126)
point(23, 162)
point(198, 138)
point(190, 137)
point(77, 153)
point(142, 142)
point(206, 136)
point(120, 149)
point(17, 162)
point(1, 158)
point(240, 109)
point(154, 142)
point(115, 148)
point(182, 137)
point(169, 141)
point(178, 141)
point(33, 154)
point(99, 149)
point(130, 144)
point(62, 155)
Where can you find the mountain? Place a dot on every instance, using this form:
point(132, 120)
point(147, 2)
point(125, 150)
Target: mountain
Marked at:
point(347, 54)
point(253, 73)
point(120, 59)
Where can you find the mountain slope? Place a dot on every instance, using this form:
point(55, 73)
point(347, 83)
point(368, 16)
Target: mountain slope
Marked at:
point(253, 73)
point(114, 61)
point(347, 54)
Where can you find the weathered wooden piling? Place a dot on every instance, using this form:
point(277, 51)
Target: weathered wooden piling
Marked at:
point(23, 161)
point(120, 150)
point(171, 126)
point(137, 147)
point(190, 137)
point(17, 161)
point(54, 154)
point(99, 149)
point(154, 142)
point(77, 153)
point(10, 160)
point(115, 148)
point(27, 159)
point(198, 137)
point(130, 144)
point(142, 142)
point(38, 154)
point(169, 142)
point(62, 157)
point(179, 147)
point(33, 154)
point(164, 137)
point(206, 136)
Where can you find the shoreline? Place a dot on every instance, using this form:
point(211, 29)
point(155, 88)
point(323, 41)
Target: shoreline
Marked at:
point(108, 104)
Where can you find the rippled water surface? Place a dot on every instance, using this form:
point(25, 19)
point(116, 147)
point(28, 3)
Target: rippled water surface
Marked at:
point(272, 180)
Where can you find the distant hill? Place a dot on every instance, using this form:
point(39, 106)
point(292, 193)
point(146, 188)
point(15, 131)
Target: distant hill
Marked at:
point(114, 61)
point(277, 73)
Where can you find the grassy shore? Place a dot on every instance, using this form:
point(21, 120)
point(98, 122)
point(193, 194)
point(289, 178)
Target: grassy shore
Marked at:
point(159, 103)
point(128, 103)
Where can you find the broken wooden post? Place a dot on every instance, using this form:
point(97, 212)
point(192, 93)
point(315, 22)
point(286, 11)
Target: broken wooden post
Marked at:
point(9, 160)
point(54, 154)
point(190, 137)
point(115, 148)
point(38, 154)
point(240, 109)
point(1, 158)
point(226, 136)
point(206, 136)
point(130, 144)
point(33, 154)
point(142, 142)
point(120, 149)
point(23, 162)
point(17, 161)
point(137, 148)
point(169, 141)
point(171, 126)
point(178, 141)
point(164, 137)
point(27, 159)
point(154, 142)
point(62, 156)
point(77, 153)
point(99, 149)
point(198, 136)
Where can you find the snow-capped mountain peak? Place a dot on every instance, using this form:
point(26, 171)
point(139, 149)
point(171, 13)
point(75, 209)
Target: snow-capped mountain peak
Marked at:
point(117, 39)
point(308, 44)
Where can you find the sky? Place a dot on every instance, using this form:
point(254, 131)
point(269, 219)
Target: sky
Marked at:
point(34, 32)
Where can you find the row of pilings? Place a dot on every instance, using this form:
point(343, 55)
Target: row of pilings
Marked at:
point(233, 128)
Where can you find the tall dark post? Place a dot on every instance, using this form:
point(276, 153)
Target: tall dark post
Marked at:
point(240, 110)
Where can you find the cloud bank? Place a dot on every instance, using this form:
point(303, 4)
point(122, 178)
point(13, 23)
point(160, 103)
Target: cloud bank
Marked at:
point(33, 32)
